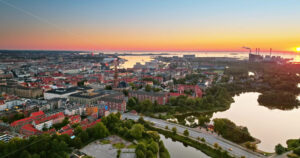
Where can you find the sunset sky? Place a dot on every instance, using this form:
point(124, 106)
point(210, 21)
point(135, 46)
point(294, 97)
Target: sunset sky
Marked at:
point(150, 25)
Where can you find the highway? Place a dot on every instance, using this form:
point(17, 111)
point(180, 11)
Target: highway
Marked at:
point(232, 148)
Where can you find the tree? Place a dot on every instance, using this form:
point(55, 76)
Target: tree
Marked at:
point(112, 122)
point(84, 136)
point(136, 131)
point(203, 119)
point(153, 146)
point(154, 135)
point(186, 132)
point(81, 83)
point(297, 151)
point(174, 130)
point(77, 143)
point(132, 103)
point(125, 92)
point(45, 127)
point(140, 150)
point(216, 145)
point(139, 154)
point(77, 131)
point(149, 154)
point(202, 140)
point(148, 88)
point(167, 127)
point(230, 131)
point(146, 106)
point(279, 149)
point(108, 87)
point(251, 146)
point(25, 154)
point(100, 131)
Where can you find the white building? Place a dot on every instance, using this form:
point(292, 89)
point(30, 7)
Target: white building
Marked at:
point(40, 126)
point(75, 110)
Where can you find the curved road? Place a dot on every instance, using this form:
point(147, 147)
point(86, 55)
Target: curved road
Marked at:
point(236, 151)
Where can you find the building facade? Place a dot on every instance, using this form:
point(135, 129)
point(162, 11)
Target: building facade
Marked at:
point(159, 97)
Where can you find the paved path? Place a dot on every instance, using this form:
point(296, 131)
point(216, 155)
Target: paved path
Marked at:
point(236, 151)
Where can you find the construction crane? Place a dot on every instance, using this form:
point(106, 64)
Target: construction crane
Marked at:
point(247, 49)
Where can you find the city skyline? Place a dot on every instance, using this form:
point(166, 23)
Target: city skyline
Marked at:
point(150, 25)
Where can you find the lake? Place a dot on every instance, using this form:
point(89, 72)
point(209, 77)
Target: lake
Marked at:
point(270, 126)
point(178, 150)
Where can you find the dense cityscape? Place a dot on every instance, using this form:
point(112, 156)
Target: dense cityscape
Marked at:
point(149, 79)
point(67, 93)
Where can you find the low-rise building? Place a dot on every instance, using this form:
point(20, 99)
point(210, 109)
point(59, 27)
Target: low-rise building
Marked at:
point(85, 98)
point(20, 91)
point(159, 97)
point(60, 93)
point(113, 104)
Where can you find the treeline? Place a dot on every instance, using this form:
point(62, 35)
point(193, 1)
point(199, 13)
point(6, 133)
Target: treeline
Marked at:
point(292, 145)
point(212, 152)
point(146, 106)
point(215, 97)
point(230, 131)
point(59, 146)
point(191, 79)
point(277, 83)
point(280, 100)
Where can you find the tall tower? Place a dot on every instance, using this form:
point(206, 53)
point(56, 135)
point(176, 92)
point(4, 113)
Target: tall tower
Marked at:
point(116, 73)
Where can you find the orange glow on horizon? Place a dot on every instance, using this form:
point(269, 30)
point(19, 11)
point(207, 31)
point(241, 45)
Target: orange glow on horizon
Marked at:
point(144, 40)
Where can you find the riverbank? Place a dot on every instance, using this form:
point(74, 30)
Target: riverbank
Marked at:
point(210, 151)
point(268, 125)
point(230, 147)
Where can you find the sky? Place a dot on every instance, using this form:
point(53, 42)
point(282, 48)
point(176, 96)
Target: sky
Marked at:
point(150, 25)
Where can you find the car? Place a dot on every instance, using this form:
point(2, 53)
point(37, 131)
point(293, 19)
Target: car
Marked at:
point(230, 149)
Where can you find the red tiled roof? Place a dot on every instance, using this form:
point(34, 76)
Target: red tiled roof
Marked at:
point(93, 123)
point(84, 122)
point(37, 113)
point(29, 127)
point(66, 127)
point(21, 120)
point(68, 132)
point(51, 131)
point(75, 118)
point(27, 119)
point(175, 94)
point(52, 117)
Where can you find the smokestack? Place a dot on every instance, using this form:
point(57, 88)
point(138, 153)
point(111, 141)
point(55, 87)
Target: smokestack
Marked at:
point(258, 50)
point(270, 52)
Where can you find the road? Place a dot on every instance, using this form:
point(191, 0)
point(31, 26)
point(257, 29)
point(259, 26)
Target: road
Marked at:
point(236, 151)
